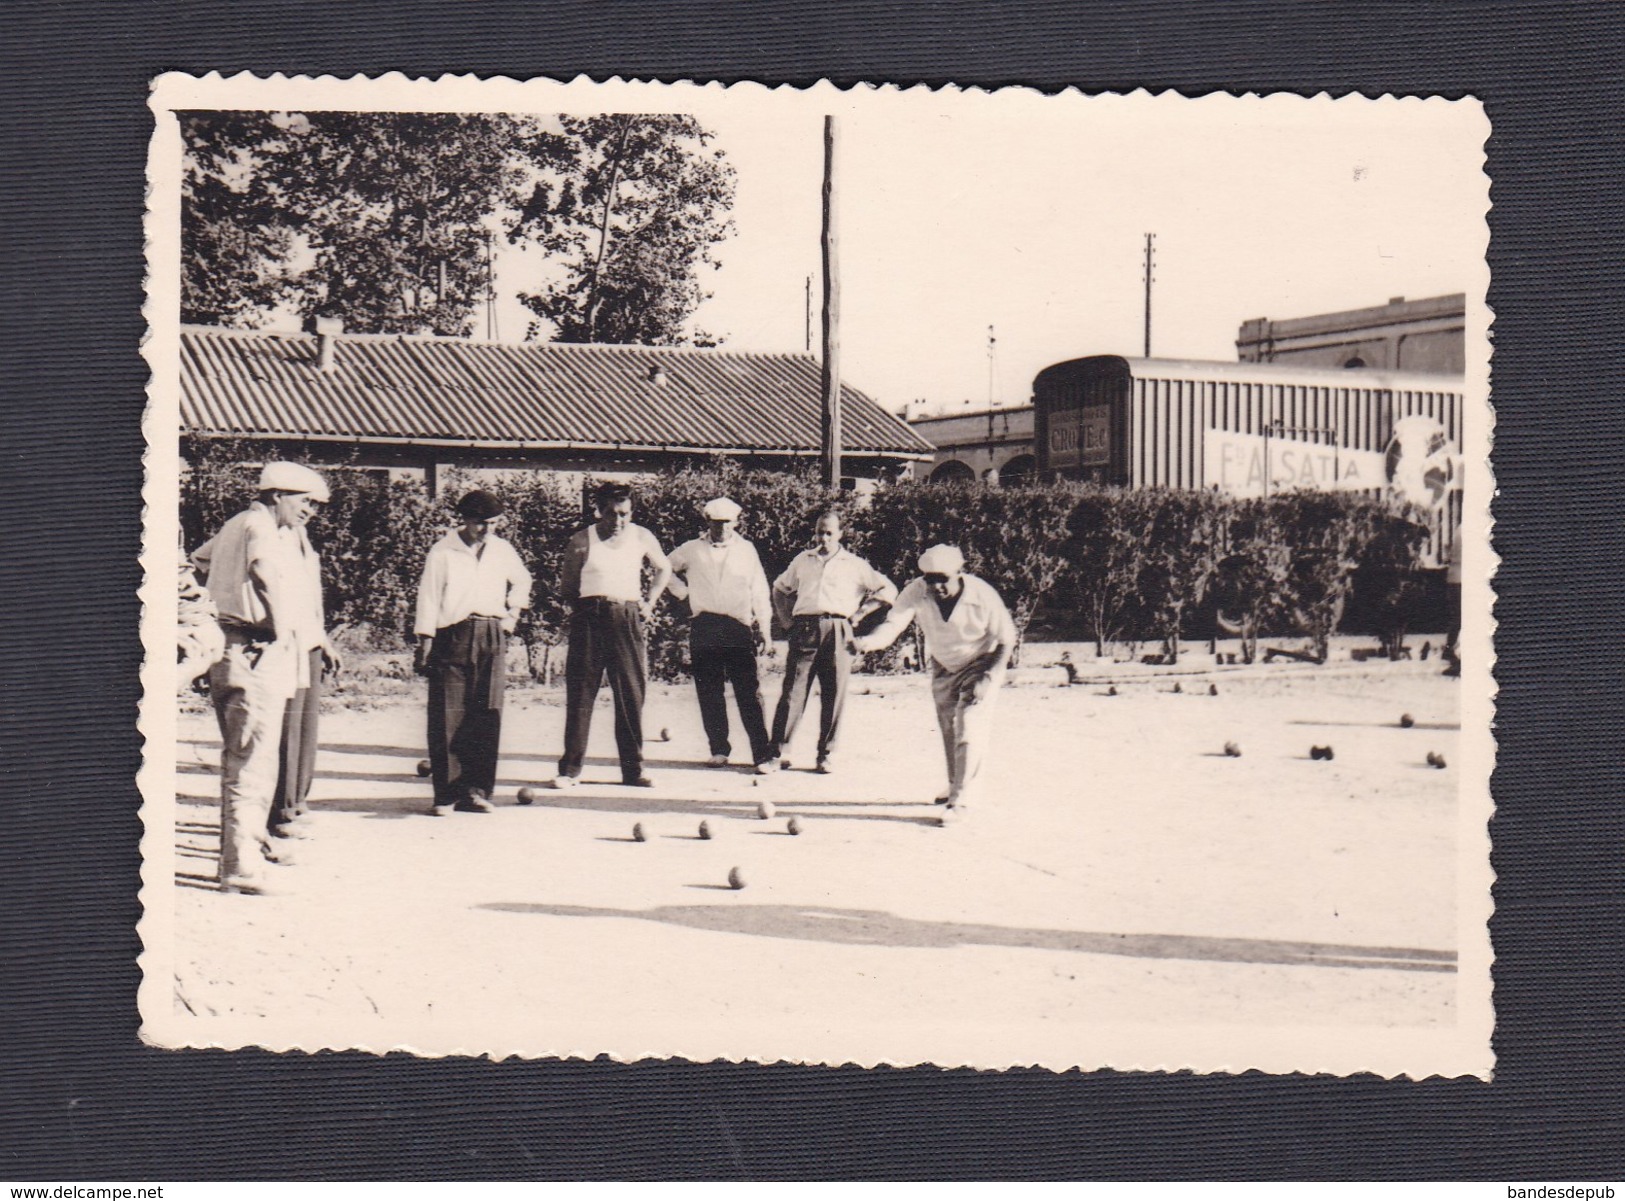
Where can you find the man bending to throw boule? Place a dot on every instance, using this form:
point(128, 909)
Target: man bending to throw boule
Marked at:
point(969, 637)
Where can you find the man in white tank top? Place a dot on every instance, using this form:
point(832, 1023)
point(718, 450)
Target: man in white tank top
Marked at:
point(602, 578)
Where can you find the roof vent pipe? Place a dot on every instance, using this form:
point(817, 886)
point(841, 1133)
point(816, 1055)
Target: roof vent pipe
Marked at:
point(328, 330)
point(658, 376)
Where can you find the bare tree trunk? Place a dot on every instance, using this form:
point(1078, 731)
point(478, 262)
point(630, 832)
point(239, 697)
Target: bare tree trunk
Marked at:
point(593, 299)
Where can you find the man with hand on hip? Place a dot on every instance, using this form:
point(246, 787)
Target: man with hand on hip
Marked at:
point(265, 581)
point(473, 589)
point(969, 637)
point(602, 578)
point(819, 597)
point(721, 576)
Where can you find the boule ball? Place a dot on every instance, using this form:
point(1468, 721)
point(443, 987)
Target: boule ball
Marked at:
point(1438, 761)
point(1315, 752)
point(792, 827)
point(527, 796)
point(765, 810)
point(736, 878)
point(638, 834)
point(1326, 753)
point(1232, 751)
point(665, 734)
point(1213, 690)
point(1406, 721)
point(705, 831)
point(1111, 690)
point(1178, 687)
point(424, 767)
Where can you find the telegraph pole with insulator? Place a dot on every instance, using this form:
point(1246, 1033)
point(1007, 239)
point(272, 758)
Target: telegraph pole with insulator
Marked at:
point(1150, 241)
point(831, 376)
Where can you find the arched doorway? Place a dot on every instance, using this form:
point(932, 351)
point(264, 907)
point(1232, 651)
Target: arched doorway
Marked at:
point(1019, 470)
point(953, 472)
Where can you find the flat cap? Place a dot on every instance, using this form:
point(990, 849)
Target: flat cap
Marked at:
point(479, 505)
point(721, 509)
point(282, 476)
point(942, 560)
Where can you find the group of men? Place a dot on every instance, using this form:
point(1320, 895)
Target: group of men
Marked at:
point(265, 582)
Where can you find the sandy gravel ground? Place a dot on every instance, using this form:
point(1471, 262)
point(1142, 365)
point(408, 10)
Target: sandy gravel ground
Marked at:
point(1128, 871)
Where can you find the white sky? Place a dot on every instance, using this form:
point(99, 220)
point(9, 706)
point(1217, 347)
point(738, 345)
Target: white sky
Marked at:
point(960, 211)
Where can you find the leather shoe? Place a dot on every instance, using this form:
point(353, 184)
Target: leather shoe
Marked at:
point(443, 810)
point(563, 782)
point(249, 886)
point(717, 761)
point(475, 804)
point(824, 767)
point(640, 782)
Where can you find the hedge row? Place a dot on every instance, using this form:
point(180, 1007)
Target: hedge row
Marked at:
point(1119, 564)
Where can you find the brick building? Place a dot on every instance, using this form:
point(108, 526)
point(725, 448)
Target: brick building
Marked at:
point(1402, 335)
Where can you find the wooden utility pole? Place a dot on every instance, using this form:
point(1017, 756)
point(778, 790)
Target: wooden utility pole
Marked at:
point(807, 314)
point(831, 376)
point(1150, 240)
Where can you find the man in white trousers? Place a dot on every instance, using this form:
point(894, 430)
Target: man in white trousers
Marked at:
point(969, 638)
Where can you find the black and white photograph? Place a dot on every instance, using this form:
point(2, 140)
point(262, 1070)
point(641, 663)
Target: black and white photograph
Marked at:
point(825, 576)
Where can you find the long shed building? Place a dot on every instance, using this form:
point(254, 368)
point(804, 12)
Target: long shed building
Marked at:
point(426, 403)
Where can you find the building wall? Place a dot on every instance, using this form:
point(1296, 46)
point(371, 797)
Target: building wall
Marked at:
point(975, 444)
point(1402, 335)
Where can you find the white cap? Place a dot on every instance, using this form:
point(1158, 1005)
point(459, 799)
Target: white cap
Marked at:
point(293, 477)
point(721, 509)
point(942, 560)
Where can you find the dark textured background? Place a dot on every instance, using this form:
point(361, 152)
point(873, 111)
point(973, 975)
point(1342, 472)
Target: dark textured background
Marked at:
point(81, 1100)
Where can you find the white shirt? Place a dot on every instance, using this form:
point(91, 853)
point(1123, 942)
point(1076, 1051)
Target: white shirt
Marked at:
point(979, 623)
point(837, 585)
point(262, 574)
point(614, 567)
point(724, 578)
point(461, 581)
point(269, 576)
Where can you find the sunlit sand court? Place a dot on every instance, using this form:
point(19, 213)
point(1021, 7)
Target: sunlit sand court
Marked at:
point(1126, 870)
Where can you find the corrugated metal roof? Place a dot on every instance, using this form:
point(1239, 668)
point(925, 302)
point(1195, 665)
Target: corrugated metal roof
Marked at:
point(455, 391)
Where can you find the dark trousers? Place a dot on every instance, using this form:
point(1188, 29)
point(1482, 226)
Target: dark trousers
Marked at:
point(297, 762)
point(721, 652)
point(467, 674)
point(606, 638)
point(820, 650)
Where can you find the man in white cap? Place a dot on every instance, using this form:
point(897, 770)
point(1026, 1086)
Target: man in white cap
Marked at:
point(969, 637)
point(473, 590)
point(721, 576)
point(820, 596)
point(265, 581)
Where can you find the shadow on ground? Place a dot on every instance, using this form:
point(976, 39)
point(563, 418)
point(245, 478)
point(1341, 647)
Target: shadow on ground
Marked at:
point(869, 927)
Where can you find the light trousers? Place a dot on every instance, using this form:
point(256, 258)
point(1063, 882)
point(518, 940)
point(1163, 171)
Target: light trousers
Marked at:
point(966, 724)
point(249, 695)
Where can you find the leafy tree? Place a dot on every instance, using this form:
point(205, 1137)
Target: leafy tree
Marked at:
point(1105, 554)
point(631, 205)
point(1182, 536)
point(235, 239)
point(1389, 577)
point(379, 218)
point(1252, 577)
point(1326, 531)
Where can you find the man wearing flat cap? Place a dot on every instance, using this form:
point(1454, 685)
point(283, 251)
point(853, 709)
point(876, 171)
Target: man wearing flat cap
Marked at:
point(721, 576)
point(473, 590)
point(265, 581)
point(969, 637)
